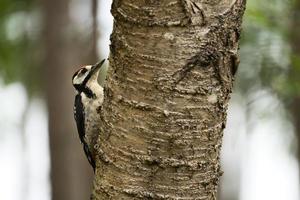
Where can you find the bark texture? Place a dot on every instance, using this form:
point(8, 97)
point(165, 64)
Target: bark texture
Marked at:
point(172, 67)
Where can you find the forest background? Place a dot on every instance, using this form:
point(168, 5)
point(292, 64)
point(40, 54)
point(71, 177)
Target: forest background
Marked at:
point(43, 42)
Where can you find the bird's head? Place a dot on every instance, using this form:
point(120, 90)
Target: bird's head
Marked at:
point(86, 74)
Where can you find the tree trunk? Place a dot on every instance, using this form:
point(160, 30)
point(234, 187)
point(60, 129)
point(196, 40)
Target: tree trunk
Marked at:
point(71, 175)
point(294, 72)
point(172, 66)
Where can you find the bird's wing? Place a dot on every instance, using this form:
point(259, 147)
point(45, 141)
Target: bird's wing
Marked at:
point(79, 116)
point(89, 156)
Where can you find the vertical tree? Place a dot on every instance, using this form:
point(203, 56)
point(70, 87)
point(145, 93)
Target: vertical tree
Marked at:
point(295, 70)
point(172, 66)
point(70, 172)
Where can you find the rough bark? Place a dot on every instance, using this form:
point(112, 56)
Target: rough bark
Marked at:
point(172, 67)
point(71, 174)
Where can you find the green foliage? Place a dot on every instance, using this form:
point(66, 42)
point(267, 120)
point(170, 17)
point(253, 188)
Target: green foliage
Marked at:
point(294, 76)
point(272, 14)
point(265, 49)
point(266, 57)
point(19, 59)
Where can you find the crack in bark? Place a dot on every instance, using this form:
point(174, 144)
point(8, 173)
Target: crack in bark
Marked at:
point(194, 12)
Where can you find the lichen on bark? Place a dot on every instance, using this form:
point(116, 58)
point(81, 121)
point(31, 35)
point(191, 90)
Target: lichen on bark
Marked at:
point(172, 67)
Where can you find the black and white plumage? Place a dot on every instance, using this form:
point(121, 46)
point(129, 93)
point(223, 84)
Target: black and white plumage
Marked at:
point(88, 100)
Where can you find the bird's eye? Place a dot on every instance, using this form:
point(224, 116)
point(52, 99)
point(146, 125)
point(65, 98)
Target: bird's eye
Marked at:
point(83, 71)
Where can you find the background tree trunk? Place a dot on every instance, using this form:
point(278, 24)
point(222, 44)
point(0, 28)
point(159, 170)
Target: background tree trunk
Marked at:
point(71, 175)
point(171, 72)
point(95, 33)
point(294, 106)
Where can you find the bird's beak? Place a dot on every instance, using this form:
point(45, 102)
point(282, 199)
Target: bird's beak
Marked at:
point(97, 66)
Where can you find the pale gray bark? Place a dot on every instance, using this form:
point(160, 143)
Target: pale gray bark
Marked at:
point(171, 73)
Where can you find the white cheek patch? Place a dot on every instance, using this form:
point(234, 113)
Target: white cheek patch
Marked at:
point(79, 78)
point(88, 67)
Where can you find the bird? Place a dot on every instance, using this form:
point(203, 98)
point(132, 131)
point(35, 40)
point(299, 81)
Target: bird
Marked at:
point(88, 101)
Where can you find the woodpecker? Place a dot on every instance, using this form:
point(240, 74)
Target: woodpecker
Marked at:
point(88, 101)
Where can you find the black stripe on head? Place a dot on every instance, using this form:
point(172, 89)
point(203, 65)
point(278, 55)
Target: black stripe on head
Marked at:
point(83, 70)
point(87, 91)
point(94, 68)
point(79, 71)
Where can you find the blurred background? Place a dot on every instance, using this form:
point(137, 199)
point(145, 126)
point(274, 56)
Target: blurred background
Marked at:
point(43, 42)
